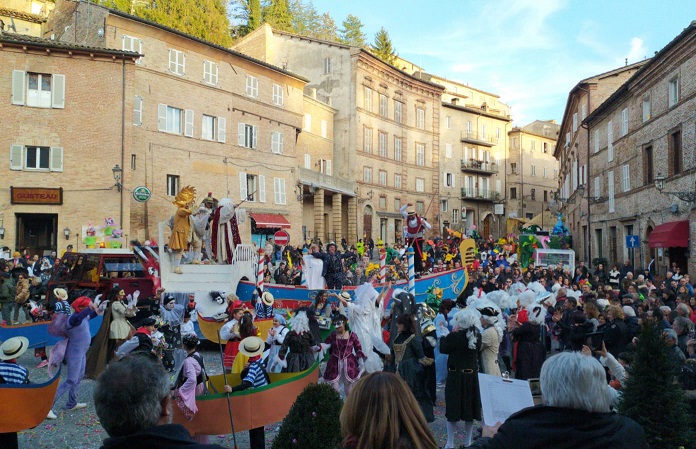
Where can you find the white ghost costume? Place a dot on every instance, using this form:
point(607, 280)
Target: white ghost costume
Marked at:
point(365, 320)
point(313, 268)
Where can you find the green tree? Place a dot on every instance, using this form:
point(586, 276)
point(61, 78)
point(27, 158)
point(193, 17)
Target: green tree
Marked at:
point(352, 32)
point(277, 14)
point(305, 19)
point(383, 48)
point(205, 19)
point(327, 29)
point(245, 15)
point(652, 398)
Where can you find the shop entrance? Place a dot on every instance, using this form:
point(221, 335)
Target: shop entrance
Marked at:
point(37, 233)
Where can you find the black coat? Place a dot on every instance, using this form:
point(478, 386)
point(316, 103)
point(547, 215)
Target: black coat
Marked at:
point(530, 350)
point(462, 397)
point(563, 428)
point(167, 436)
point(616, 336)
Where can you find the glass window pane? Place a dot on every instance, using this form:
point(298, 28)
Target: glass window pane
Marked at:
point(31, 157)
point(46, 83)
point(43, 154)
point(33, 81)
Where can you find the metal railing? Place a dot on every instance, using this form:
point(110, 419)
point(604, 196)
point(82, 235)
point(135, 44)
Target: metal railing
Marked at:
point(475, 137)
point(480, 194)
point(479, 166)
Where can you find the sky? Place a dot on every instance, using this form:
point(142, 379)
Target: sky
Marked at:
point(529, 52)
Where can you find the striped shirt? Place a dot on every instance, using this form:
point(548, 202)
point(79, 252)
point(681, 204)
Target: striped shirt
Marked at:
point(13, 373)
point(256, 375)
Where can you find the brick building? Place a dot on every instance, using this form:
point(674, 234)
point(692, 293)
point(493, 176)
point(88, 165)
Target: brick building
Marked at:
point(63, 128)
point(642, 135)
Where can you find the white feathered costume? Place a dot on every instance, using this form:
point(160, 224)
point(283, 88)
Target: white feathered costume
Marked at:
point(365, 320)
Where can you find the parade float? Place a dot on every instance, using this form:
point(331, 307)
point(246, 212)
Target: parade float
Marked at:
point(25, 406)
point(546, 249)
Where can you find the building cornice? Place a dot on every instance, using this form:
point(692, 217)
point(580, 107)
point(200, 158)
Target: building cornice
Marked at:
point(477, 111)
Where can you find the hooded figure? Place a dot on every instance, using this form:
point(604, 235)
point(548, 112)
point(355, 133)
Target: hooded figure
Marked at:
point(402, 302)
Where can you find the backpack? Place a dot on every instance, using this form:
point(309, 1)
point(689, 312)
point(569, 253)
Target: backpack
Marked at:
point(201, 378)
point(687, 377)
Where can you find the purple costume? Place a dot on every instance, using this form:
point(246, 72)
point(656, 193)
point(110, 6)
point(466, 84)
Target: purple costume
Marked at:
point(343, 360)
point(79, 339)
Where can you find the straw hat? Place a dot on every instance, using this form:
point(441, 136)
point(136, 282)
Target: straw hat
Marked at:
point(251, 346)
point(267, 298)
point(13, 348)
point(60, 293)
point(345, 295)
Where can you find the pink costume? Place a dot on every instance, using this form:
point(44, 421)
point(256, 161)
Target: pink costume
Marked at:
point(343, 365)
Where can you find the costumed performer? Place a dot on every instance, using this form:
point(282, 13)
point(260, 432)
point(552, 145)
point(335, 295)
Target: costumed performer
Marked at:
point(263, 305)
point(276, 337)
point(428, 333)
point(224, 231)
point(78, 341)
point(141, 341)
point(182, 232)
point(346, 359)
point(191, 382)
point(365, 315)
point(529, 335)
point(172, 316)
point(246, 329)
point(462, 398)
point(442, 328)
point(415, 230)
point(14, 374)
point(297, 352)
point(122, 307)
point(201, 223)
point(313, 268)
point(230, 331)
point(492, 334)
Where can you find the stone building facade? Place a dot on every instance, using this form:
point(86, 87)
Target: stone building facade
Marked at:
point(573, 151)
point(65, 106)
point(201, 115)
point(386, 130)
point(643, 134)
point(532, 171)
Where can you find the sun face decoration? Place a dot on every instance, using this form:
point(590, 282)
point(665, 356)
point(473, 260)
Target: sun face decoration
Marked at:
point(186, 195)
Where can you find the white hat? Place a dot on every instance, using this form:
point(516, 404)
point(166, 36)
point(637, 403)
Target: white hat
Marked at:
point(251, 346)
point(60, 293)
point(13, 348)
point(267, 298)
point(345, 295)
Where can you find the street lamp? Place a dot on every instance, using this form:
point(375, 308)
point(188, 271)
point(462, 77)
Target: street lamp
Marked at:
point(66, 233)
point(118, 172)
point(685, 195)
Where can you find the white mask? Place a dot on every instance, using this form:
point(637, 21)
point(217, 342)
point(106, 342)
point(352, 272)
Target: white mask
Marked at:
point(170, 305)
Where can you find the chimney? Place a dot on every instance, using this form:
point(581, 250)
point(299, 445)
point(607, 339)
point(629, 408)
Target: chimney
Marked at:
point(313, 92)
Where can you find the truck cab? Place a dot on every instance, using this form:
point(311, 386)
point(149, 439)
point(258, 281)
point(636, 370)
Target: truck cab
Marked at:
point(95, 271)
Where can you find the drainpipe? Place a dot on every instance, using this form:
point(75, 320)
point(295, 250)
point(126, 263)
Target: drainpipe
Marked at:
point(588, 237)
point(123, 135)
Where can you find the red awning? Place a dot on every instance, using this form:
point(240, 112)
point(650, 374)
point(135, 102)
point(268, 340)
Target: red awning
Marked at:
point(670, 235)
point(270, 221)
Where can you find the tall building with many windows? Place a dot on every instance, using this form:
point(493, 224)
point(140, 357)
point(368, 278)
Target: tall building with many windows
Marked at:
point(642, 151)
point(386, 133)
point(532, 171)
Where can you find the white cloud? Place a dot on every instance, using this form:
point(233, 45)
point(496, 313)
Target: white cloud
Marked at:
point(462, 68)
point(638, 52)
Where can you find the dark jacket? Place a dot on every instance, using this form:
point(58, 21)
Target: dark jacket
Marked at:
point(616, 336)
point(563, 428)
point(167, 436)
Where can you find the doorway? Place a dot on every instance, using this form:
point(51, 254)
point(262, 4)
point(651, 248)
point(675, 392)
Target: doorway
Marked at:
point(367, 223)
point(37, 233)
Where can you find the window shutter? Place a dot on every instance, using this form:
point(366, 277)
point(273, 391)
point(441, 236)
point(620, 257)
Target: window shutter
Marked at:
point(123, 43)
point(281, 184)
point(240, 134)
point(280, 143)
point(262, 189)
point(161, 117)
point(56, 159)
point(254, 135)
point(242, 186)
point(58, 92)
point(16, 157)
point(222, 129)
point(274, 142)
point(138, 110)
point(328, 168)
point(307, 161)
point(276, 190)
point(18, 85)
point(596, 188)
point(188, 123)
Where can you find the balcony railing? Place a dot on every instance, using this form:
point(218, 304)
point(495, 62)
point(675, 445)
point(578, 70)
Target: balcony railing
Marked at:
point(480, 194)
point(324, 181)
point(479, 139)
point(478, 166)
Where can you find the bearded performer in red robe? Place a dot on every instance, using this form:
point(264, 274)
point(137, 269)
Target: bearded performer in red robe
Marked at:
point(225, 232)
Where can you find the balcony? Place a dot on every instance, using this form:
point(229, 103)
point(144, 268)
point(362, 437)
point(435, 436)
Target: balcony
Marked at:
point(477, 166)
point(479, 139)
point(480, 194)
point(327, 182)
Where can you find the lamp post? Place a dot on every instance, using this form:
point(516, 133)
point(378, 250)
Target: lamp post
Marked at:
point(688, 196)
point(118, 177)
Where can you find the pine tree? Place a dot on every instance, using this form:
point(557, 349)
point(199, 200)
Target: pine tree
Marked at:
point(313, 420)
point(352, 32)
point(305, 19)
point(327, 29)
point(652, 398)
point(205, 19)
point(254, 15)
point(277, 14)
point(383, 48)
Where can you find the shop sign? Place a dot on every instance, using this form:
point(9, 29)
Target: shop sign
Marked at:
point(36, 195)
point(141, 194)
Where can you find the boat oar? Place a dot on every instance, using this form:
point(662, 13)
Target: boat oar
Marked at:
point(229, 404)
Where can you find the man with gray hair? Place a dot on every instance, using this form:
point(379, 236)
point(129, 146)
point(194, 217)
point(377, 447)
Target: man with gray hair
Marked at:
point(673, 352)
point(133, 403)
point(576, 412)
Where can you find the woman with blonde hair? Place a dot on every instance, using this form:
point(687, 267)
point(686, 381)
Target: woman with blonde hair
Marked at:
point(382, 413)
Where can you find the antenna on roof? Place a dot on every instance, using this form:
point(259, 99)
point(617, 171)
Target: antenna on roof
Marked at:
point(626, 61)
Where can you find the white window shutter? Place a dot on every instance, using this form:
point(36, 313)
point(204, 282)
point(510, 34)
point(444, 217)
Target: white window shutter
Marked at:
point(281, 184)
point(58, 92)
point(16, 157)
point(56, 159)
point(240, 134)
point(222, 129)
point(307, 161)
point(262, 189)
point(188, 123)
point(596, 188)
point(276, 190)
point(18, 85)
point(138, 110)
point(242, 186)
point(280, 143)
point(328, 167)
point(254, 135)
point(161, 117)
